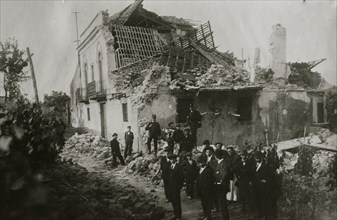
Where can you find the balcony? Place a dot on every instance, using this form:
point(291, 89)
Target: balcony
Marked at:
point(96, 91)
point(82, 96)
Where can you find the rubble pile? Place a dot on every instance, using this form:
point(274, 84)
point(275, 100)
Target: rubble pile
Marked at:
point(141, 86)
point(88, 144)
point(147, 165)
point(77, 194)
point(217, 76)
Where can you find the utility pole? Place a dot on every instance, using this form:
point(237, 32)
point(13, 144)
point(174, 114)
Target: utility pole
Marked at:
point(78, 53)
point(33, 75)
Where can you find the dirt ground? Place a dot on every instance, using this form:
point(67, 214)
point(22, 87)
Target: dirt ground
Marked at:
point(191, 208)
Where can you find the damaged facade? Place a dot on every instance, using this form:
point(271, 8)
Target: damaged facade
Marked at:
point(135, 63)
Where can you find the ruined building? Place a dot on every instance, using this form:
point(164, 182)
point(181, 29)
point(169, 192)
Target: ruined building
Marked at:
point(136, 63)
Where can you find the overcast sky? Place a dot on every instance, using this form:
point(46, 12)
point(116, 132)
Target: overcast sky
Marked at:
point(48, 28)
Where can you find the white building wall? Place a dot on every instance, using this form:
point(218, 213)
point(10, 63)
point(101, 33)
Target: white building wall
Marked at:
point(115, 123)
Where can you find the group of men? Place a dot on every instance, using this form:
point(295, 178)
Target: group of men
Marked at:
point(213, 172)
point(177, 139)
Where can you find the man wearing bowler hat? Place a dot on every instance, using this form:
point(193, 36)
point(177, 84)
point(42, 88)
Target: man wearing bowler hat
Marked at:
point(116, 151)
point(154, 132)
point(176, 182)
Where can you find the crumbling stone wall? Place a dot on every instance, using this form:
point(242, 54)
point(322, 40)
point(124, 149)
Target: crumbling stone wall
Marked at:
point(220, 126)
point(164, 106)
point(285, 113)
point(281, 115)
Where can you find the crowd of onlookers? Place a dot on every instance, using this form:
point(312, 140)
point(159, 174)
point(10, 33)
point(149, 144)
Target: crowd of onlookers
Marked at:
point(216, 174)
point(220, 176)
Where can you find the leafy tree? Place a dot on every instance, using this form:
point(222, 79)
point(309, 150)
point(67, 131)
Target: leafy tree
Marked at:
point(58, 101)
point(12, 64)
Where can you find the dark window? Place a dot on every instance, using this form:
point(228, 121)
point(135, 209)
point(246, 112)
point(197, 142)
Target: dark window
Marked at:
point(320, 112)
point(244, 109)
point(88, 113)
point(183, 109)
point(125, 112)
point(92, 73)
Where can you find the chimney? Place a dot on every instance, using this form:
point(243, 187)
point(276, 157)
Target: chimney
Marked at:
point(256, 60)
point(278, 51)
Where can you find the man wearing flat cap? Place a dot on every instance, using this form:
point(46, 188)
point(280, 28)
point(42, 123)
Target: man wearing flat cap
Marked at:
point(176, 182)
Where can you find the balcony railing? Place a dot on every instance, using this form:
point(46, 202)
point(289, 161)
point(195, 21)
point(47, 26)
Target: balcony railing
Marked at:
point(96, 91)
point(81, 95)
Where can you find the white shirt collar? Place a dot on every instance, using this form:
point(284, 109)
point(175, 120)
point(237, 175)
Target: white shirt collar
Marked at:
point(202, 169)
point(219, 161)
point(258, 165)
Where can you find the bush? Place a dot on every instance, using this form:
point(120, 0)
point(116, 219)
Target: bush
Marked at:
point(29, 141)
point(307, 190)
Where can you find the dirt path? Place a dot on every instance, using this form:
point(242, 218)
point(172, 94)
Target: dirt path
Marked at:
point(192, 209)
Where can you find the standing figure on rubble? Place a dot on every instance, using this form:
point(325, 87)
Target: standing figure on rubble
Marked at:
point(169, 133)
point(116, 151)
point(176, 181)
point(187, 144)
point(177, 137)
point(154, 132)
point(194, 122)
point(128, 137)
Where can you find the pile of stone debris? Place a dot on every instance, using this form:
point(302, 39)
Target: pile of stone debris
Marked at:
point(98, 149)
point(87, 144)
point(146, 165)
point(217, 76)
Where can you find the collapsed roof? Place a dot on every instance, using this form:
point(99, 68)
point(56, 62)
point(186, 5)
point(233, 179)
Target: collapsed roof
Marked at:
point(142, 37)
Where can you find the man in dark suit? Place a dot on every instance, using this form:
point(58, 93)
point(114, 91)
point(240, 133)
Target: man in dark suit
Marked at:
point(244, 171)
point(116, 151)
point(190, 168)
point(194, 122)
point(212, 163)
point(164, 168)
point(176, 182)
point(187, 143)
point(178, 137)
point(260, 184)
point(205, 186)
point(222, 177)
point(154, 132)
point(128, 137)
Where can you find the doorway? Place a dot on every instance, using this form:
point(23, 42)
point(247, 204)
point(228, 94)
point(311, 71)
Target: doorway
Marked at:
point(103, 119)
